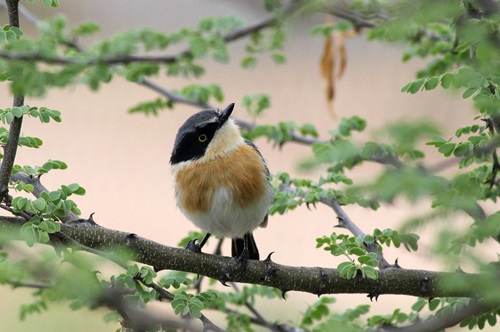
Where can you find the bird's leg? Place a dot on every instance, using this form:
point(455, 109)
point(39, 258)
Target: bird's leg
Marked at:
point(245, 253)
point(193, 246)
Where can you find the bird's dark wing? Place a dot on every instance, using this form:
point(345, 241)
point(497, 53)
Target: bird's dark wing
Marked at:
point(264, 222)
point(263, 161)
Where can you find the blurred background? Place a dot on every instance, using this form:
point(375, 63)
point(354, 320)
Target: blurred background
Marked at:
point(122, 160)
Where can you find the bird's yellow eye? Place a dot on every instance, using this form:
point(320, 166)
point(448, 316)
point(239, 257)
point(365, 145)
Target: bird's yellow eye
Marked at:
point(202, 138)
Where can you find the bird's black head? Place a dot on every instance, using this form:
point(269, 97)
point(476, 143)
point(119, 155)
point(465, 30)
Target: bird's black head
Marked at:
point(195, 134)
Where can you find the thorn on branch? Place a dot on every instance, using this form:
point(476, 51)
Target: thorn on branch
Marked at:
point(193, 246)
point(308, 205)
point(396, 264)
point(373, 296)
point(341, 223)
point(322, 285)
point(4, 194)
point(271, 270)
point(268, 258)
point(91, 219)
point(131, 237)
point(283, 293)
point(424, 284)
point(226, 274)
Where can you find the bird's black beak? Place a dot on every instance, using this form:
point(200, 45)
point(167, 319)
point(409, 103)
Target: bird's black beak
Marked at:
point(224, 115)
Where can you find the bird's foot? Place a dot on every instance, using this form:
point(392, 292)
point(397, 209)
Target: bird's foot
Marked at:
point(244, 257)
point(193, 246)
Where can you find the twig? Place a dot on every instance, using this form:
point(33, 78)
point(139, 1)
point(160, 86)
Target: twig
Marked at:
point(440, 322)
point(22, 214)
point(38, 188)
point(208, 325)
point(134, 317)
point(359, 21)
point(10, 148)
point(170, 95)
point(62, 60)
point(20, 284)
point(356, 19)
point(347, 223)
point(257, 316)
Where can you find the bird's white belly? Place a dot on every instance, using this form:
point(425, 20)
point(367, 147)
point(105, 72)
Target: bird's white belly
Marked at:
point(226, 218)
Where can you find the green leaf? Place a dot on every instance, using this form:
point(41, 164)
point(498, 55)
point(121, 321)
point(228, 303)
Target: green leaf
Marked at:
point(364, 259)
point(430, 84)
point(309, 130)
point(347, 270)
point(369, 272)
point(17, 112)
point(86, 28)
point(447, 149)
point(369, 239)
point(256, 104)
point(39, 204)
point(447, 80)
point(433, 304)
point(76, 189)
point(419, 305)
point(356, 251)
point(437, 141)
point(278, 58)
point(249, 62)
point(462, 149)
point(416, 86)
point(469, 92)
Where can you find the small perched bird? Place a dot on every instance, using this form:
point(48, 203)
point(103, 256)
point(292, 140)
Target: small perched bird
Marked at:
point(221, 180)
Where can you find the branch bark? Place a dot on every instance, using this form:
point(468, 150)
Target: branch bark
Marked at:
point(315, 280)
point(10, 148)
point(438, 323)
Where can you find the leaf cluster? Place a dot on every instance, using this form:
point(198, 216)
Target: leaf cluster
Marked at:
point(349, 246)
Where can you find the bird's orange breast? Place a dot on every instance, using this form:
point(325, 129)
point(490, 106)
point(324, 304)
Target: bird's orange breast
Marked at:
point(241, 172)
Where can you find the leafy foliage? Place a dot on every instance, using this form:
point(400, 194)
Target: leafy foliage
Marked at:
point(457, 41)
point(350, 246)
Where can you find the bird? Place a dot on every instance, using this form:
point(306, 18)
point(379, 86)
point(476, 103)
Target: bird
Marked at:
point(222, 183)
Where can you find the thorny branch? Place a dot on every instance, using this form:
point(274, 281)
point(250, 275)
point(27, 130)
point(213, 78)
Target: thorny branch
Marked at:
point(315, 280)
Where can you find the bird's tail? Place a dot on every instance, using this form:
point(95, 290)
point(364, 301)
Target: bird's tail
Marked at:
point(238, 244)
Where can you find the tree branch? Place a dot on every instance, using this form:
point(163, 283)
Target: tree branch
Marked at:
point(38, 188)
point(347, 223)
point(138, 319)
point(315, 280)
point(127, 59)
point(361, 21)
point(257, 317)
point(10, 148)
point(208, 325)
point(440, 322)
point(91, 61)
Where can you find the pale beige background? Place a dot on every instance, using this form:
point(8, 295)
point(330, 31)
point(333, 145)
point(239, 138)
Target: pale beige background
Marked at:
point(122, 159)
